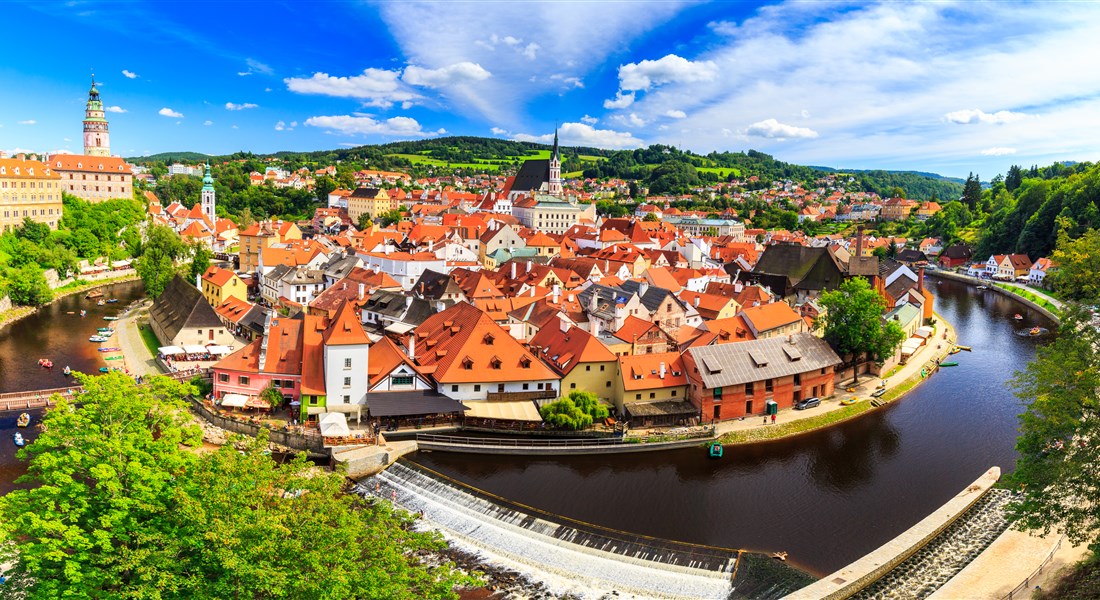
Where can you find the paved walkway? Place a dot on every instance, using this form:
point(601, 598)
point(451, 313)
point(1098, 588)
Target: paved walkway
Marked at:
point(138, 360)
point(1009, 561)
point(936, 346)
point(1052, 300)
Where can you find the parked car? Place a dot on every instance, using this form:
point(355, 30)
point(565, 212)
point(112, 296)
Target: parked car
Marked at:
point(807, 403)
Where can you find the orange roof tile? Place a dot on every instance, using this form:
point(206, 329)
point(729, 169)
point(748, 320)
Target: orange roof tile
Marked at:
point(643, 371)
point(770, 316)
point(218, 276)
point(346, 330)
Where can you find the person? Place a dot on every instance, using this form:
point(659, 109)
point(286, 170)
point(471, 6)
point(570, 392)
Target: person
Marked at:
point(765, 419)
point(773, 418)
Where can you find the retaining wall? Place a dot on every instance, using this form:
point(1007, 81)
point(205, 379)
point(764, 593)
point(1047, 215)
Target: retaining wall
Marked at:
point(865, 571)
point(562, 450)
point(283, 438)
point(363, 461)
point(976, 282)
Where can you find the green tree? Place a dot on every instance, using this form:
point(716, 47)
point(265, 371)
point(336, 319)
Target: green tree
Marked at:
point(390, 217)
point(28, 286)
point(972, 192)
point(33, 230)
point(1058, 468)
point(364, 221)
point(156, 266)
point(565, 413)
point(322, 187)
point(272, 395)
point(245, 218)
point(853, 323)
point(116, 506)
point(651, 217)
point(588, 403)
point(200, 260)
point(1078, 266)
point(1014, 178)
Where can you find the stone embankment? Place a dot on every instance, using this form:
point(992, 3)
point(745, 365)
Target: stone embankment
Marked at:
point(991, 284)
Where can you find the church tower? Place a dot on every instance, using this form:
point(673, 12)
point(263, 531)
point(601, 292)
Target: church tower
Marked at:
point(208, 196)
point(555, 169)
point(97, 141)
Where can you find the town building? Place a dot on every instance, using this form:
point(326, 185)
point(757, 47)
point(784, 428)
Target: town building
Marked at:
point(219, 285)
point(181, 316)
point(552, 214)
point(93, 178)
point(97, 138)
point(1039, 271)
point(28, 189)
point(729, 381)
point(652, 390)
point(371, 202)
point(264, 234)
point(581, 360)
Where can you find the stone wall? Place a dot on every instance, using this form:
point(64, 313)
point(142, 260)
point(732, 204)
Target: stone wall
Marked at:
point(5, 303)
point(975, 282)
point(289, 439)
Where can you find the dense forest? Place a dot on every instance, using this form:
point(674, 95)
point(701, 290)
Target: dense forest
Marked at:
point(663, 169)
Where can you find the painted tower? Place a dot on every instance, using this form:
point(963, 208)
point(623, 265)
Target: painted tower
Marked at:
point(555, 169)
point(208, 196)
point(97, 141)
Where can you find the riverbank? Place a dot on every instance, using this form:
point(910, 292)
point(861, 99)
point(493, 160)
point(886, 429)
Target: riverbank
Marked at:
point(833, 410)
point(76, 287)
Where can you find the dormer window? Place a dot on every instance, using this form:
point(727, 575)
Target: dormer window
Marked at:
point(488, 339)
point(467, 363)
point(495, 362)
point(525, 362)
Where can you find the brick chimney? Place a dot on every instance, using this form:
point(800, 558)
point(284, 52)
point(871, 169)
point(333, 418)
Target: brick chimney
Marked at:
point(920, 280)
point(859, 241)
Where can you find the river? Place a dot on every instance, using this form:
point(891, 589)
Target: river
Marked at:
point(827, 498)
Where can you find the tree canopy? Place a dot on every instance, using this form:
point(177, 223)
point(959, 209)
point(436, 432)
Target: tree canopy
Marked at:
point(1077, 276)
point(853, 323)
point(1058, 470)
point(157, 263)
point(578, 410)
point(120, 505)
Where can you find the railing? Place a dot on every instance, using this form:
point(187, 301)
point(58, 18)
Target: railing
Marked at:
point(1025, 586)
point(630, 439)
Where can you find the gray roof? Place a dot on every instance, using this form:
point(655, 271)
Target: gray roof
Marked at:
point(653, 296)
point(410, 403)
point(340, 265)
point(756, 360)
point(182, 305)
point(608, 297)
point(532, 174)
point(433, 285)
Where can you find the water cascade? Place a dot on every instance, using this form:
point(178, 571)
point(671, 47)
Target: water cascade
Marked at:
point(567, 559)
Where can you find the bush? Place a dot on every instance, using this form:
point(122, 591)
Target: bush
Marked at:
point(578, 410)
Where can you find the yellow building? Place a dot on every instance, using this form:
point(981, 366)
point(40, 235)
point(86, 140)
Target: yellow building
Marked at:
point(264, 234)
point(219, 285)
point(371, 202)
point(583, 363)
point(93, 178)
point(28, 188)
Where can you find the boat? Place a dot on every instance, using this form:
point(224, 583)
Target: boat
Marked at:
point(67, 370)
point(110, 318)
point(45, 362)
point(878, 393)
point(109, 349)
point(94, 294)
point(99, 339)
point(850, 401)
point(83, 313)
point(105, 331)
point(983, 287)
point(112, 300)
point(103, 369)
point(1018, 317)
point(714, 450)
point(1035, 331)
point(967, 348)
point(24, 420)
point(120, 357)
point(779, 556)
point(949, 364)
point(101, 303)
point(955, 350)
point(18, 439)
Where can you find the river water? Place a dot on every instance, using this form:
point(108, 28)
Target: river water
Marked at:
point(826, 498)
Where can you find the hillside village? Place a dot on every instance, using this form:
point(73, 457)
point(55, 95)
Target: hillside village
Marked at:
point(492, 296)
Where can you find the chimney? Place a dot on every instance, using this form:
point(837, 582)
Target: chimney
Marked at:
point(408, 301)
point(362, 290)
point(662, 370)
point(643, 287)
point(513, 269)
point(595, 328)
point(738, 286)
point(859, 241)
point(592, 301)
point(412, 346)
point(697, 302)
point(198, 281)
point(557, 292)
point(920, 280)
point(528, 266)
point(564, 325)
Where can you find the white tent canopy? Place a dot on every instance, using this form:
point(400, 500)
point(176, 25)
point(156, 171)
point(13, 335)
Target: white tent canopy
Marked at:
point(511, 410)
point(334, 424)
point(195, 349)
point(170, 350)
point(234, 400)
point(219, 349)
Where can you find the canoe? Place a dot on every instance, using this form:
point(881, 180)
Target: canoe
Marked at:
point(949, 364)
point(109, 349)
point(24, 420)
point(967, 348)
point(114, 358)
point(715, 450)
point(849, 401)
point(110, 318)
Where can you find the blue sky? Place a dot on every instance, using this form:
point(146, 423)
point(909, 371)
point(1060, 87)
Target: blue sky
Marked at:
point(943, 87)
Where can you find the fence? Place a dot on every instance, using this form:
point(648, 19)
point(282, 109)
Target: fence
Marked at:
point(692, 433)
point(308, 441)
point(1025, 586)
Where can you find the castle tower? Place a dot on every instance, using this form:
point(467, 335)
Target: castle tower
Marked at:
point(97, 141)
point(555, 169)
point(208, 196)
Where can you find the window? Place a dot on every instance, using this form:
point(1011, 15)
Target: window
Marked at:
point(748, 389)
point(347, 399)
point(477, 387)
point(347, 382)
point(526, 386)
point(200, 332)
point(767, 385)
point(607, 384)
point(401, 380)
point(601, 367)
point(674, 393)
point(652, 395)
point(587, 367)
point(276, 383)
point(347, 363)
point(637, 396)
point(242, 380)
point(573, 386)
point(223, 377)
point(454, 388)
point(798, 379)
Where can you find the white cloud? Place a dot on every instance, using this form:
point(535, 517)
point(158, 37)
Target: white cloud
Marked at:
point(130, 74)
point(589, 120)
point(531, 50)
point(167, 112)
point(255, 66)
point(772, 129)
point(280, 126)
point(232, 106)
point(582, 134)
point(804, 113)
point(635, 121)
point(646, 74)
point(975, 115)
point(675, 114)
point(364, 125)
point(998, 151)
point(27, 122)
point(114, 109)
point(458, 73)
point(568, 81)
point(208, 123)
point(498, 131)
point(378, 87)
point(621, 100)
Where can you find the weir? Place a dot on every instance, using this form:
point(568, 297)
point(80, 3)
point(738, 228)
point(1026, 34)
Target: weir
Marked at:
point(569, 556)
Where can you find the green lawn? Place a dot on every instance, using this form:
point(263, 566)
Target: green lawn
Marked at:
point(781, 430)
point(721, 171)
point(1030, 296)
point(150, 339)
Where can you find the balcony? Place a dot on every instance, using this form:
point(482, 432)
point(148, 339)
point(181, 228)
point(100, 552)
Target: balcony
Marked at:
point(529, 395)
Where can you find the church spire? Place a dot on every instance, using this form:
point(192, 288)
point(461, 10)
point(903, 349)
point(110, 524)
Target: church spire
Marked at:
point(554, 185)
point(97, 140)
